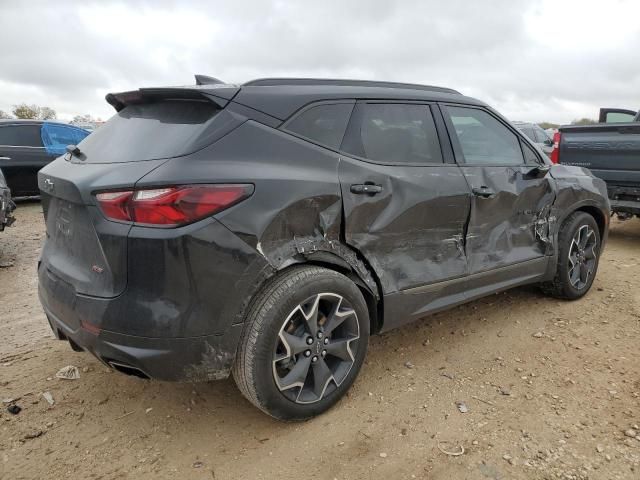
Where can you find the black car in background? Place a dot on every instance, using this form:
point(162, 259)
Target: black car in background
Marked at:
point(267, 229)
point(28, 145)
point(6, 204)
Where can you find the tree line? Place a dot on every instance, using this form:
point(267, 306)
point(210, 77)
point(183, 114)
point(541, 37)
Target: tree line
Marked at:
point(25, 111)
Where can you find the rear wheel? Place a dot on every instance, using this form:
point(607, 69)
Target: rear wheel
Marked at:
point(578, 256)
point(304, 342)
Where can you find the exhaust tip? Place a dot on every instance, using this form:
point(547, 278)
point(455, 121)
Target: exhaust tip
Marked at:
point(128, 370)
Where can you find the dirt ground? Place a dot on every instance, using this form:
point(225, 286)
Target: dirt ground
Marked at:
point(551, 388)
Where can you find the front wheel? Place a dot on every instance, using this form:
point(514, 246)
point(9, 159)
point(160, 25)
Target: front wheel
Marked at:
point(304, 342)
point(578, 256)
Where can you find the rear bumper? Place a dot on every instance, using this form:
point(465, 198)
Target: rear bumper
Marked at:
point(624, 199)
point(203, 358)
point(179, 317)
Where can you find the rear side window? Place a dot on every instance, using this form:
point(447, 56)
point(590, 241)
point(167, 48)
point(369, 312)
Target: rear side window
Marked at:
point(396, 134)
point(20, 135)
point(56, 137)
point(149, 131)
point(483, 139)
point(324, 124)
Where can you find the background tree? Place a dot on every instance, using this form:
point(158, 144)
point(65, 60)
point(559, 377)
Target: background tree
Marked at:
point(583, 121)
point(545, 125)
point(33, 112)
point(4, 114)
point(82, 119)
point(47, 113)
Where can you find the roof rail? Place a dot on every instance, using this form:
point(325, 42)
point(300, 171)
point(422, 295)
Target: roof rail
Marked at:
point(271, 82)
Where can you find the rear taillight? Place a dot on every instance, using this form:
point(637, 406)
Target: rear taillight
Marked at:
point(171, 206)
point(555, 153)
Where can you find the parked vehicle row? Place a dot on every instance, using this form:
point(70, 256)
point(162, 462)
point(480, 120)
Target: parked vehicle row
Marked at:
point(611, 150)
point(268, 229)
point(28, 145)
point(537, 135)
point(6, 204)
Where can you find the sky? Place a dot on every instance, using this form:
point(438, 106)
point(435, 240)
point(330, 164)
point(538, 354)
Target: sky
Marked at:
point(536, 60)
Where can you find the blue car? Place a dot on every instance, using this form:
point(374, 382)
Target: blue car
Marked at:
point(28, 145)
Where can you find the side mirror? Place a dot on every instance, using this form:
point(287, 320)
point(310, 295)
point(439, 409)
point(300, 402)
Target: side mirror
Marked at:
point(543, 168)
point(537, 171)
point(548, 142)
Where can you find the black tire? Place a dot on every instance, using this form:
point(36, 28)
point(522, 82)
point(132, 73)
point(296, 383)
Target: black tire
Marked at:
point(256, 368)
point(562, 285)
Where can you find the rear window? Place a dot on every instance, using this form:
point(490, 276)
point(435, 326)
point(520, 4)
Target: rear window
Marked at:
point(20, 135)
point(149, 131)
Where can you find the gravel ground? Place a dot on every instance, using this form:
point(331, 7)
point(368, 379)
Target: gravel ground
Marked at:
point(552, 390)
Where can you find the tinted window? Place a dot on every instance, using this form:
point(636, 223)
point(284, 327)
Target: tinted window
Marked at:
point(397, 133)
point(324, 124)
point(147, 131)
point(20, 135)
point(484, 140)
point(56, 137)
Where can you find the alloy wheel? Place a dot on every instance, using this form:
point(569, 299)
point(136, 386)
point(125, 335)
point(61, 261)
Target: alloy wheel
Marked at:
point(315, 348)
point(582, 257)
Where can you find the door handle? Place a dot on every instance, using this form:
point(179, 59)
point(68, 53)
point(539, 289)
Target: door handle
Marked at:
point(366, 188)
point(484, 192)
point(5, 158)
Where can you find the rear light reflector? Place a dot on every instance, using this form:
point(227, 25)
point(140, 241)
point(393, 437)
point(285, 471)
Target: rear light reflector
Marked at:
point(171, 206)
point(555, 153)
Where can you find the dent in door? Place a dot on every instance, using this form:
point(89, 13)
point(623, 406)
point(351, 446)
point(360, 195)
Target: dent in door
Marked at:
point(513, 226)
point(412, 231)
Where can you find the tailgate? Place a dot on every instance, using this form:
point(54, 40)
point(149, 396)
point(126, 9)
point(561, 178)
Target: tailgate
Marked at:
point(82, 249)
point(611, 152)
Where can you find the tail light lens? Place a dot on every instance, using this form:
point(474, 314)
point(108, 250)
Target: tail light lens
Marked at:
point(555, 153)
point(171, 206)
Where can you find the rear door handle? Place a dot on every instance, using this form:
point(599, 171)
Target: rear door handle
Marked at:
point(5, 158)
point(484, 192)
point(366, 188)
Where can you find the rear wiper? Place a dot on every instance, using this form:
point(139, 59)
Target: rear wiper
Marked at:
point(75, 151)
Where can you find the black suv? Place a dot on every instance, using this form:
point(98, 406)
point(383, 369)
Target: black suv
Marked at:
point(28, 145)
point(268, 229)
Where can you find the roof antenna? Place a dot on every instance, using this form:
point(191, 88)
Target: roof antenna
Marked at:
point(206, 80)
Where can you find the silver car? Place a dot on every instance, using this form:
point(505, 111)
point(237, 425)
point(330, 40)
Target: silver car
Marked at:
point(536, 134)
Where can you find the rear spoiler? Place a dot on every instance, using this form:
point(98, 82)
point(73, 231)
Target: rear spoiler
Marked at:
point(218, 93)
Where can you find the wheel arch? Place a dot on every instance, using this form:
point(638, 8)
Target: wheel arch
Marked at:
point(601, 219)
point(334, 262)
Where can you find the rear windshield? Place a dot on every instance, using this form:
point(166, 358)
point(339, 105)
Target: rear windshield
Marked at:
point(149, 131)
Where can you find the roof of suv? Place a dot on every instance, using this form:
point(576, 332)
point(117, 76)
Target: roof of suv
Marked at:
point(27, 121)
point(281, 97)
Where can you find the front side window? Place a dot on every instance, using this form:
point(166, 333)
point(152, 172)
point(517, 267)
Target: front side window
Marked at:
point(324, 124)
point(530, 156)
point(56, 137)
point(483, 139)
point(397, 133)
point(20, 135)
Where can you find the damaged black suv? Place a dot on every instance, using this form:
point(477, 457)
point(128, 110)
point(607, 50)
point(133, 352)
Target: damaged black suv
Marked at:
point(268, 229)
